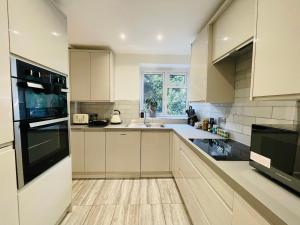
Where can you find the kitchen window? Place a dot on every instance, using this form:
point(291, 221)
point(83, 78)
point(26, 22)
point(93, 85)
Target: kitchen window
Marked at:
point(168, 88)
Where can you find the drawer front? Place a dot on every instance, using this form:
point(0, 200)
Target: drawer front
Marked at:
point(213, 206)
point(194, 209)
point(244, 214)
point(216, 182)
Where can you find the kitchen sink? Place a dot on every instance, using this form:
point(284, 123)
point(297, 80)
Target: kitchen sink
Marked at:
point(147, 125)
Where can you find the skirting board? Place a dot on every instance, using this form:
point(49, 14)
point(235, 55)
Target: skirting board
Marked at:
point(97, 175)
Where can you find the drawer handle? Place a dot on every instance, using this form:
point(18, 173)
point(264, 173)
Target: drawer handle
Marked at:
point(122, 134)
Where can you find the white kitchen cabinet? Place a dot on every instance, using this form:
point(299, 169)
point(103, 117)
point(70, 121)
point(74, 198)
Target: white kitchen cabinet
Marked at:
point(244, 214)
point(94, 148)
point(212, 83)
point(77, 150)
point(38, 32)
point(233, 28)
point(199, 69)
point(6, 121)
point(46, 199)
point(123, 153)
point(80, 79)
point(213, 206)
point(223, 190)
point(277, 50)
point(100, 76)
point(8, 194)
point(194, 209)
point(91, 75)
point(155, 153)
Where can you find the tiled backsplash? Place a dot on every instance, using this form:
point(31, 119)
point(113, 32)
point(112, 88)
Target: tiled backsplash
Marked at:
point(243, 112)
point(129, 110)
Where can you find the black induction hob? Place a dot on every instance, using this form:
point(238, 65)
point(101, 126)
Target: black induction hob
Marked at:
point(224, 149)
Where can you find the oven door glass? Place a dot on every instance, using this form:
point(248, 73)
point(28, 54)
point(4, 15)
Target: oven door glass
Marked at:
point(43, 144)
point(36, 101)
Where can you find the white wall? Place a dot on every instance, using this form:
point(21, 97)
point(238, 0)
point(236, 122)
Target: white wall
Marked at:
point(127, 74)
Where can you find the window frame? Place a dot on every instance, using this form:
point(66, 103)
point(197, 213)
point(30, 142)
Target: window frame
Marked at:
point(165, 72)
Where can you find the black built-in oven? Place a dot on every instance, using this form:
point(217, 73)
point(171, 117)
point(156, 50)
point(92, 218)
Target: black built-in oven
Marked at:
point(275, 151)
point(39, 146)
point(41, 120)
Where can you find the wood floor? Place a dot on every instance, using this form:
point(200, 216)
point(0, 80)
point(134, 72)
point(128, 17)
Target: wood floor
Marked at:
point(126, 202)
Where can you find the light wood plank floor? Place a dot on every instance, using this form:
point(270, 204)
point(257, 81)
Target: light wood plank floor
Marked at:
point(126, 202)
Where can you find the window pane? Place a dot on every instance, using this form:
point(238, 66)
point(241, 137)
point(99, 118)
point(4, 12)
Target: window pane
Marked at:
point(176, 101)
point(178, 80)
point(153, 88)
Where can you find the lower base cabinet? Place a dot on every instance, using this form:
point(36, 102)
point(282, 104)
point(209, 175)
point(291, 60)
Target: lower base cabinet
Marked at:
point(123, 154)
point(8, 188)
point(88, 153)
point(208, 199)
point(46, 199)
point(155, 153)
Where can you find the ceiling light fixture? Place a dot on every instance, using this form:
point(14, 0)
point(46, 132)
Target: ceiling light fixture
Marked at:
point(54, 33)
point(123, 36)
point(159, 37)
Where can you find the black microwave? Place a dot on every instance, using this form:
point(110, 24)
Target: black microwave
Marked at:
point(275, 151)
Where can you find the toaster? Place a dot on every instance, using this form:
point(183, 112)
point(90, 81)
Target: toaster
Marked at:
point(80, 118)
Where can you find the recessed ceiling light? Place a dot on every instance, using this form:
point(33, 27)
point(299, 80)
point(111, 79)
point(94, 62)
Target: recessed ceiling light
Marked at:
point(55, 34)
point(15, 32)
point(123, 36)
point(159, 37)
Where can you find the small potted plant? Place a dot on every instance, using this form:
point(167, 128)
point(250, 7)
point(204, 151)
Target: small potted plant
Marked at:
point(151, 106)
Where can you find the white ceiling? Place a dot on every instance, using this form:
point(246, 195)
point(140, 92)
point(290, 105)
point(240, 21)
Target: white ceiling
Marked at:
point(101, 22)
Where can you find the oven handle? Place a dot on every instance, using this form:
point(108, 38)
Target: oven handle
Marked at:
point(34, 85)
point(47, 122)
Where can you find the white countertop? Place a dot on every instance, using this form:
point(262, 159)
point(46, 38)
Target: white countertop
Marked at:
point(190, 132)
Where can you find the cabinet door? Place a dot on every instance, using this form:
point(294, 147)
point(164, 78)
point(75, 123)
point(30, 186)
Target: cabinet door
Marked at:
point(100, 76)
point(123, 153)
point(38, 31)
point(94, 151)
point(234, 27)
point(244, 214)
point(277, 49)
point(77, 150)
point(80, 75)
point(211, 203)
point(199, 63)
point(155, 151)
point(8, 193)
point(6, 121)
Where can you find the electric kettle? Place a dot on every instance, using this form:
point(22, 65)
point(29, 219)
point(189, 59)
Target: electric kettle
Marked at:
point(116, 119)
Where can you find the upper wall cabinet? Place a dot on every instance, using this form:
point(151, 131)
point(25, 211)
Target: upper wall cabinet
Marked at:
point(6, 121)
point(213, 83)
point(38, 32)
point(276, 71)
point(234, 28)
point(91, 75)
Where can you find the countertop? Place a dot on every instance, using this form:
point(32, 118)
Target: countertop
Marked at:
point(274, 202)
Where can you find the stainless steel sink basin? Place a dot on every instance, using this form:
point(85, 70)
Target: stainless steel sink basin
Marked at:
point(147, 125)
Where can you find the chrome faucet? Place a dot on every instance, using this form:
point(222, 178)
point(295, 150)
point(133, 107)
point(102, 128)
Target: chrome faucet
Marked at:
point(145, 113)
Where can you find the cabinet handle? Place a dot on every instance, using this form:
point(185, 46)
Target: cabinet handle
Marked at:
point(122, 134)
